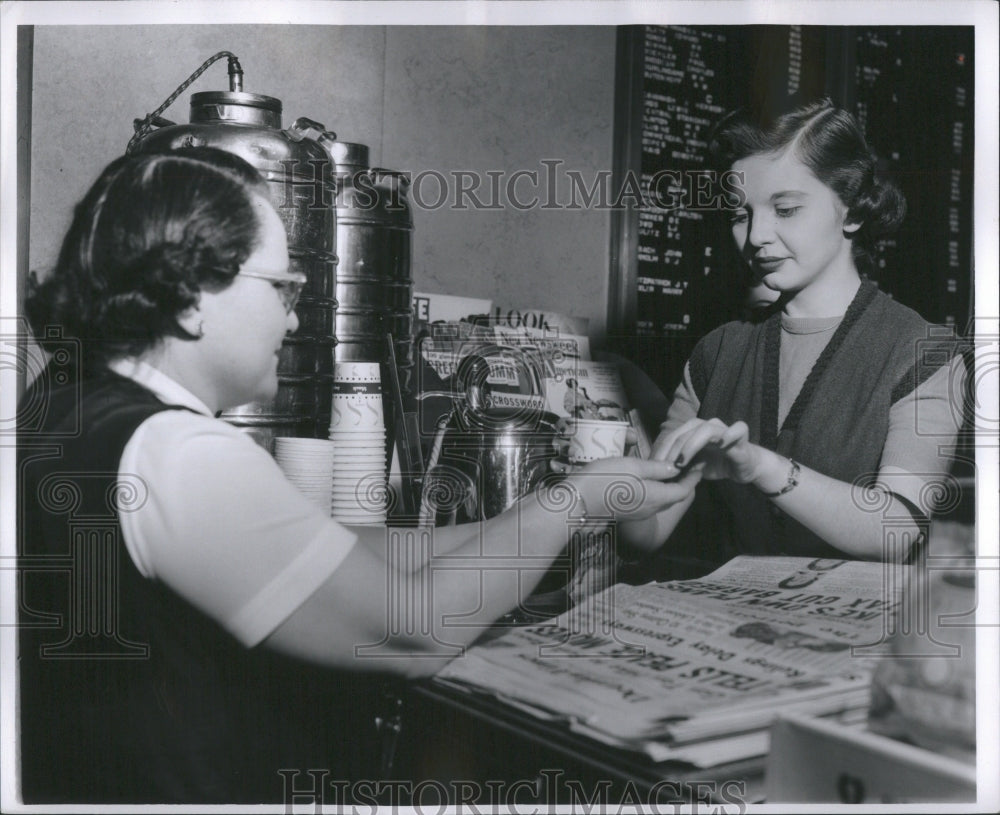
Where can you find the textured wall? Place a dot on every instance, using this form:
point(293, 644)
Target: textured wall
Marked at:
point(440, 99)
point(502, 100)
point(90, 82)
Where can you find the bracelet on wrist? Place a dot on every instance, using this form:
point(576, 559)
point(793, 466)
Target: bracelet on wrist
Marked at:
point(790, 484)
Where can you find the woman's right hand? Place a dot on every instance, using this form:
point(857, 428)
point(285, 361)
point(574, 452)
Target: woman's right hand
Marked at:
point(631, 488)
point(723, 451)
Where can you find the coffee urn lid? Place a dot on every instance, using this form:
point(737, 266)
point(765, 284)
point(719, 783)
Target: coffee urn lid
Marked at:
point(348, 154)
point(236, 106)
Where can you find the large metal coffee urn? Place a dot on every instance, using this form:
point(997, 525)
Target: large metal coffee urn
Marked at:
point(374, 281)
point(299, 174)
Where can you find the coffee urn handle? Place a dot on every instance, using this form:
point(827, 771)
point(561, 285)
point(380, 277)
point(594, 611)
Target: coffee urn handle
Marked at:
point(144, 125)
point(306, 128)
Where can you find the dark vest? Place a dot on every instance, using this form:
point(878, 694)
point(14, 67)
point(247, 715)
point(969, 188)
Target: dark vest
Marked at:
point(129, 694)
point(837, 425)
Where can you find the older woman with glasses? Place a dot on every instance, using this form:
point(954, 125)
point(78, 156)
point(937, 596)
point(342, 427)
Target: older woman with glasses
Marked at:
point(235, 615)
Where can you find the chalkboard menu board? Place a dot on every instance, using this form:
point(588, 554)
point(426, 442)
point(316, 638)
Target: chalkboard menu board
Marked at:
point(688, 78)
point(913, 93)
point(675, 271)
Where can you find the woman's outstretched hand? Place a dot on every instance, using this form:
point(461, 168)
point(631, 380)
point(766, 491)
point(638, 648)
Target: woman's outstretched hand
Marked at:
point(630, 488)
point(717, 449)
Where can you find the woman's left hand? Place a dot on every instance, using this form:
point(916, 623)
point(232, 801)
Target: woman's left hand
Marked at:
point(722, 451)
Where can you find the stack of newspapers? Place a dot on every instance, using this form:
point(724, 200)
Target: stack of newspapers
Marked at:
point(696, 671)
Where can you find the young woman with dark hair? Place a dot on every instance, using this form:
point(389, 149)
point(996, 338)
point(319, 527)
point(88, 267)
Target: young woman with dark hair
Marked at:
point(822, 430)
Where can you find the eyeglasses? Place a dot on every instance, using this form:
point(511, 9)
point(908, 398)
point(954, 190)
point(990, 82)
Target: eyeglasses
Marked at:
point(288, 286)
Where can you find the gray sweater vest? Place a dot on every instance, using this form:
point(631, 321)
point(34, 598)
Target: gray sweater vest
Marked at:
point(837, 425)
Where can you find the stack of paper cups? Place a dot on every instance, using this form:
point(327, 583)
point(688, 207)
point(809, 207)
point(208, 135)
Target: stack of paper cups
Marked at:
point(357, 429)
point(308, 464)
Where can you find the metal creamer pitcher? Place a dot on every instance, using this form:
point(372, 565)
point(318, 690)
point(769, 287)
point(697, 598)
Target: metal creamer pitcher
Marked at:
point(484, 458)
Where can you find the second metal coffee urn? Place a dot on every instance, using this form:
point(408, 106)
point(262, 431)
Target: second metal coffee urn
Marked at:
point(374, 281)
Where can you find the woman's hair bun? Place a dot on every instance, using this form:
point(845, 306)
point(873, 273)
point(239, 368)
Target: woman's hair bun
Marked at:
point(880, 209)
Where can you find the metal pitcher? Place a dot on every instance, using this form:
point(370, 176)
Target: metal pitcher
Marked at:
point(485, 458)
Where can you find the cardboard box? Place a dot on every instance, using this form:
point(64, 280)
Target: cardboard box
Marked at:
point(812, 760)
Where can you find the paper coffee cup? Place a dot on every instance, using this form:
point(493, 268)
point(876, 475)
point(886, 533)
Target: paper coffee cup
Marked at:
point(593, 439)
point(356, 406)
point(356, 372)
point(357, 398)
